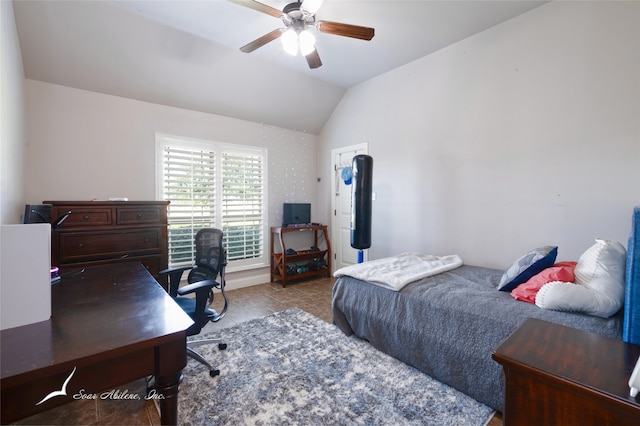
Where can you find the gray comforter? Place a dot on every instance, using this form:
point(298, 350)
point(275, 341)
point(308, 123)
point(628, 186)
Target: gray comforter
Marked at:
point(448, 325)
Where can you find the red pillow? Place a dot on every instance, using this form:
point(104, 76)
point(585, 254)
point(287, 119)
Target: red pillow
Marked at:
point(561, 271)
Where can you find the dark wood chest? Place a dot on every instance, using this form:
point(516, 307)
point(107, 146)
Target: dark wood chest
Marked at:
point(102, 232)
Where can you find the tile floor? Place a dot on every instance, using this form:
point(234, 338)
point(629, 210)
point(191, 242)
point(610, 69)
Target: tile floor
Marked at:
point(313, 296)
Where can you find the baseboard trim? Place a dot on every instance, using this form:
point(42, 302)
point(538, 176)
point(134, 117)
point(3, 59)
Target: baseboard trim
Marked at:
point(234, 283)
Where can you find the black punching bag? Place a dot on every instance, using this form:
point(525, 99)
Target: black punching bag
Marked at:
point(361, 192)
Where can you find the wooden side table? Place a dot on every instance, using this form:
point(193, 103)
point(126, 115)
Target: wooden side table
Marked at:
point(556, 375)
point(280, 261)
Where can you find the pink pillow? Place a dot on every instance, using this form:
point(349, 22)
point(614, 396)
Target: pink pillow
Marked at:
point(561, 271)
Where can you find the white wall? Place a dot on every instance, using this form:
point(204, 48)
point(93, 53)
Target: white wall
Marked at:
point(12, 157)
point(83, 145)
point(526, 134)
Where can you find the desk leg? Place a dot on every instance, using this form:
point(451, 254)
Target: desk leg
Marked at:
point(171, 358)
point(168, 387)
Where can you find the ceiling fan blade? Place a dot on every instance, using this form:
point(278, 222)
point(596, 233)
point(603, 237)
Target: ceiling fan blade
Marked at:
point(311, 6)
point(313, 59)
point(260, 7)
point(261, 41)
point(346, 30)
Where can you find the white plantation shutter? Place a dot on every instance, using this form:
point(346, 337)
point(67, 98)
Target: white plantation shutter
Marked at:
point(189, 183)
point(243, 204)
point(213, 185)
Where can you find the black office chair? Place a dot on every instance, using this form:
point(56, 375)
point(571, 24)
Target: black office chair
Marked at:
point(211, 260)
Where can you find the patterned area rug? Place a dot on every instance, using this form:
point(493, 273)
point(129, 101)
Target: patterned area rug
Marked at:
point(295, 369)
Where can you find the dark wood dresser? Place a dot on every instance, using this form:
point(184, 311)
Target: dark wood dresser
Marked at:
point(101, 232)
point(556, 375)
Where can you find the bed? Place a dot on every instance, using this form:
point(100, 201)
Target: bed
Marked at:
point(448, 324)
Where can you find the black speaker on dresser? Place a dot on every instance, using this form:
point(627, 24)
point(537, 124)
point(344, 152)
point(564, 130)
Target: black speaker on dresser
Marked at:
point(37, 213)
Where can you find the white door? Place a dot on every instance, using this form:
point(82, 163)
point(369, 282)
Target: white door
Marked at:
point(343, 253)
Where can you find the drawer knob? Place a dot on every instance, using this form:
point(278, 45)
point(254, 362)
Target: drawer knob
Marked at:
point(86, 217)
point(139, 215)
point(80, 245)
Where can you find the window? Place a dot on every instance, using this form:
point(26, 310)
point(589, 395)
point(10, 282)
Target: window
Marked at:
point(213, 185)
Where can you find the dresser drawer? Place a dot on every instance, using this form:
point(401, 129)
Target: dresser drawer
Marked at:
point(147, 216)
point(83, 216)
point(77, 246)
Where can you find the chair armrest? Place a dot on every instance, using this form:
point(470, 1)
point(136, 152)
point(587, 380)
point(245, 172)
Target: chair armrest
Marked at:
point(171, 270)
point(175, 270)
point(202, 290)
point(198, 287)
point(175, 275)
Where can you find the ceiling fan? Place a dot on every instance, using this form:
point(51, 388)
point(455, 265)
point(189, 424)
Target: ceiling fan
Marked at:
point(298, 18)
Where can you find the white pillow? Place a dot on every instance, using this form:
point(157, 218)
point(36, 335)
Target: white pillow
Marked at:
point(599, 286)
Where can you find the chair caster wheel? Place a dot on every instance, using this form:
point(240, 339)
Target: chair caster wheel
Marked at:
point(215, 372)
point(222, 346)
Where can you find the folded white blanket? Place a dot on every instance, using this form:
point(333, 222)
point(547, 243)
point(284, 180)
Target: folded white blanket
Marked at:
point(397, 271)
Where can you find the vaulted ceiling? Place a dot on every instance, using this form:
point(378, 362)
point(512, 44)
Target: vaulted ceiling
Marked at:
point(186, 53)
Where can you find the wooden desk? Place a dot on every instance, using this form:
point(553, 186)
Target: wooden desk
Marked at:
point(556, 375)
point(113, 324)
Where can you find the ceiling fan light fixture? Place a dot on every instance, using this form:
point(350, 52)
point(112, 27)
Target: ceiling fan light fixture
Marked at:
point(298, 17)
point(307, 42)
point(311, 6)
point(290, 42)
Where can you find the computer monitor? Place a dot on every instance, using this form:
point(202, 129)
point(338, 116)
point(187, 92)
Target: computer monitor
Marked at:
point(296, 214)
